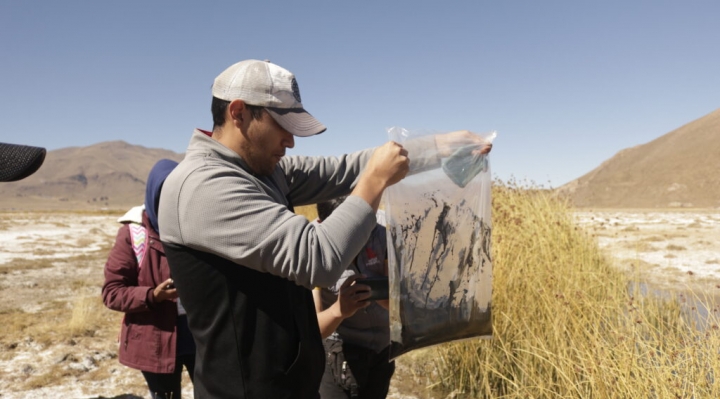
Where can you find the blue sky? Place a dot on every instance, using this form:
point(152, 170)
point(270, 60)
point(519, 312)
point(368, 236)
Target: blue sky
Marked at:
point(566, 84)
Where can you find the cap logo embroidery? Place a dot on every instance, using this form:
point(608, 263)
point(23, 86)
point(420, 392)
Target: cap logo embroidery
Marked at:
point(296, 91)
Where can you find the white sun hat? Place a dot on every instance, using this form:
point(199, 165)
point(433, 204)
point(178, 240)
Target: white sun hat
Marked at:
point(265, 84)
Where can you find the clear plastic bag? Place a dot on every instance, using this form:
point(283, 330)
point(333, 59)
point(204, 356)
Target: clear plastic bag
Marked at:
point(440, 270)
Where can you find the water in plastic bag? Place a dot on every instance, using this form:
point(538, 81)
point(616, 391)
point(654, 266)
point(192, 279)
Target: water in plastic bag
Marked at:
point(440, 271)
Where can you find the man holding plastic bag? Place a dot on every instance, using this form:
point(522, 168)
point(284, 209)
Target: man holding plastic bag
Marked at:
point(243, 262)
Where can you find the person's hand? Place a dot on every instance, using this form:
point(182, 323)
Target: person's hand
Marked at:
point(388, 164)
point(351, 298)
point(447, 143)
point(165, 291)
point(485, 149)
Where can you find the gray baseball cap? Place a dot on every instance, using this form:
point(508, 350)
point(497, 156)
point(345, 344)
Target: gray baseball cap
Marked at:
point(265, 84)
point(19, 161)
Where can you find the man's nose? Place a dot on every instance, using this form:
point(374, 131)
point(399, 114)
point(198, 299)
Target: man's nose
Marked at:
point(289, 140)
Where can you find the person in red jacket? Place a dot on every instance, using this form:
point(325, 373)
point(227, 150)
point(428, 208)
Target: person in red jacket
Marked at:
point(154, 337)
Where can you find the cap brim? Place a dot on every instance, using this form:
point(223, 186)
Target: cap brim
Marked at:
point(296, 121)
point(19, 161)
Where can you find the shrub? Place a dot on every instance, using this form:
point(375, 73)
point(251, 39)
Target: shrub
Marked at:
point(567, 323)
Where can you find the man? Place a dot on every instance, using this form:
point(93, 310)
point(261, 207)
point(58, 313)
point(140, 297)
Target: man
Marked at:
point(242, 261)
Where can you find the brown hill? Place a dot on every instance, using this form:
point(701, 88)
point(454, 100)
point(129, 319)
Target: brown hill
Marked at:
point(678, 169)
point(106, 175)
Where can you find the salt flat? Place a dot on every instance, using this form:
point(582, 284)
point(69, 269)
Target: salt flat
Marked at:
point(676, 249)
point(33, 236)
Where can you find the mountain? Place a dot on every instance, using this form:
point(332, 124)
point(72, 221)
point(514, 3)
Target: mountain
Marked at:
point(678, 169)
point(105, 175)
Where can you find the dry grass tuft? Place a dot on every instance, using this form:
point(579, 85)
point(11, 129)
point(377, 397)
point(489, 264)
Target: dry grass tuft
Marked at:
point(568, 324)
point(640, 246)
point(50, 376)
point(654, 239)
point(17, 264)
point(87, 316)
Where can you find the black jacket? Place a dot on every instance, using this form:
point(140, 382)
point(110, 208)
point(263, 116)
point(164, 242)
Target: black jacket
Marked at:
point(257, 334)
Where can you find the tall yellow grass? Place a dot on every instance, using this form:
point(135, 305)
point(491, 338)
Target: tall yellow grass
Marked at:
point(567, 324)
point(309, 211)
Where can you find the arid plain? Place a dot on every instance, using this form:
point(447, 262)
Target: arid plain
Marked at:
point(59, 341)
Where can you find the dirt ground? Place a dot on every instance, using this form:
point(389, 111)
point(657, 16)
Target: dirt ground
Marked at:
point(58, 340)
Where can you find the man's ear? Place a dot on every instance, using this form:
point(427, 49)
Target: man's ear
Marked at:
point(235, 111)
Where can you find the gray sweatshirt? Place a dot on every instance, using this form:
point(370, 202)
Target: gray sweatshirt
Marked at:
point(211, 202)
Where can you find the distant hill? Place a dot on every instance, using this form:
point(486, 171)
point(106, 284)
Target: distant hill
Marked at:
point(105, 175)
point(678, 169)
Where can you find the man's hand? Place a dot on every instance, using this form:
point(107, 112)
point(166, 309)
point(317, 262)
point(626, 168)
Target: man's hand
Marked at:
point(388, 164)
point(165, 291)
point(447, 143)
point(486, 148)
point(351, 298)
